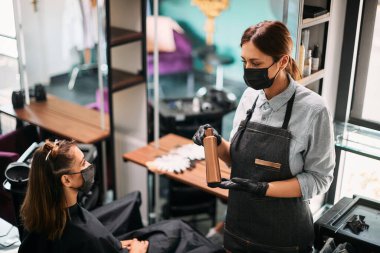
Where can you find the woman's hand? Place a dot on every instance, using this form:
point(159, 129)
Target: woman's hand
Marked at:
point(135, 246)
point(200, 135)
point(259, 189)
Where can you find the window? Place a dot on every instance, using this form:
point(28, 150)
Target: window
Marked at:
point(8, 43)
point(366, 94)
point(361, 176)
point(8, 61)
point(357, 147)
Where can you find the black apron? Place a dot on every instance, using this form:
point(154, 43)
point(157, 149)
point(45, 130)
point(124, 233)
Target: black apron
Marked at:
point(265, 224)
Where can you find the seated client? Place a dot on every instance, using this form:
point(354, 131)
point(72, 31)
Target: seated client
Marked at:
point(54, 221)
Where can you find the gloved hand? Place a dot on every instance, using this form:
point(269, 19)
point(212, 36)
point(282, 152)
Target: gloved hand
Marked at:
point(258, 189)
point(200, 135)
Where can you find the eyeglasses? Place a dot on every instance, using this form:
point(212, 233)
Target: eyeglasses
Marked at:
point(91, 166)
point(48, 154)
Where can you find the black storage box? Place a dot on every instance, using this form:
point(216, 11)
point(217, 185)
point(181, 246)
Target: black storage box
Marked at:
point(313, 11)
point(333, 224)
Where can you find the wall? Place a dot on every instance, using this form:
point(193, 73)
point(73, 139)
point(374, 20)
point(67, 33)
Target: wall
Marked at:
point(230, 25)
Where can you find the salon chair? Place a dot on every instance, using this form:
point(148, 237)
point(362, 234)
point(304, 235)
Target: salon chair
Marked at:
point(178, 62)
point(97, 104)
point(184, 200)
point(12, 146)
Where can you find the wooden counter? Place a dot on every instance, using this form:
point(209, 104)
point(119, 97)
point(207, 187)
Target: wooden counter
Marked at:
point(195, 177)
point(61, 117)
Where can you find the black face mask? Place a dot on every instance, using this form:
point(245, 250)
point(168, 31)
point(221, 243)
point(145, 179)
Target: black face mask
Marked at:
point(257, 78)
point(88, 175)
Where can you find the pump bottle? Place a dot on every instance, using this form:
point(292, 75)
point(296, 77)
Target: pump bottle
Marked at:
point(307, 67)
point(213, 176)
point(315, 59)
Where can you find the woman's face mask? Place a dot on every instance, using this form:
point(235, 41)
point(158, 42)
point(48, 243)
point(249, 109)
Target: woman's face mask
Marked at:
point(88, 175)
point(257, 78)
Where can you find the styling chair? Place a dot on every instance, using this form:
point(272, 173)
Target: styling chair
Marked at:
point(177, 61)
point(12, 146)
point(184, 200)
point(97, 104)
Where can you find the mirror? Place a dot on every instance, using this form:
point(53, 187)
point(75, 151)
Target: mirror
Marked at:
point(64, 49)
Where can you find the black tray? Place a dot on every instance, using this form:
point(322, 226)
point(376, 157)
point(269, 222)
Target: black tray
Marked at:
point(169, 110)
point(333, 223)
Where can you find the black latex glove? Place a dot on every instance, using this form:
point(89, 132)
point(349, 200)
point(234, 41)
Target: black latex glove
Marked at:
point(200, 135)
point(258, 189)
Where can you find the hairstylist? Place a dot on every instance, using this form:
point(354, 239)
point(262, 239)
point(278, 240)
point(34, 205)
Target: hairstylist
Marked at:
point(281, 150)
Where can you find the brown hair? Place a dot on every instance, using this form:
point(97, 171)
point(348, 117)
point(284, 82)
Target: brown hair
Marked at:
point(44, 208)
point(273, 39)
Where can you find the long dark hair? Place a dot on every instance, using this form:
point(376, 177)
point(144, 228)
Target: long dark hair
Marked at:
point(44, 208)
point(273, 39)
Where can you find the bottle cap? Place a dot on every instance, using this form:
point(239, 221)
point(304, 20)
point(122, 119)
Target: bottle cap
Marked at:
point(315, 51)
point(209, 132)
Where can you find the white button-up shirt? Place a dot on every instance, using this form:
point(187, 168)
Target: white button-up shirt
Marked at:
point(312, 153)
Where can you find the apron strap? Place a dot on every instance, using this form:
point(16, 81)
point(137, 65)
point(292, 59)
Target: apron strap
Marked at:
point(250, 112)
point(245, 122)
point(288, 113)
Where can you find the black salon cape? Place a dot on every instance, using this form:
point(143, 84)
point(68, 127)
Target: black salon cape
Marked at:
point(84, 233)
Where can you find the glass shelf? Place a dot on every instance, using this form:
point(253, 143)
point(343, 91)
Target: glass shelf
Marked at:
point(308, 22)
point(312, 78)
point(356, 139)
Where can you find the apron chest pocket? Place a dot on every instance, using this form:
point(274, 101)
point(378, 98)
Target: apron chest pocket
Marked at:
point(268, 164)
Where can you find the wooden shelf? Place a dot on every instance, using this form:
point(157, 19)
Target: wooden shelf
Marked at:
point(121, 36)
point(308, 22)
point(312, 78)
point(123, 80)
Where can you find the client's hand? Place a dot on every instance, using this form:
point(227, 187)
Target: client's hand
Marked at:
point(135, 246)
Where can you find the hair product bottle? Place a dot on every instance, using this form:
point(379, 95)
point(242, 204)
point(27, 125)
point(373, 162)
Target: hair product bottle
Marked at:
point(307, 67)
point(315, 59)
point(211, 155)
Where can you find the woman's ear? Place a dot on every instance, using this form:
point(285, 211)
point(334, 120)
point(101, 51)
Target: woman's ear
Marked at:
point(66, 180)
point(284, 61)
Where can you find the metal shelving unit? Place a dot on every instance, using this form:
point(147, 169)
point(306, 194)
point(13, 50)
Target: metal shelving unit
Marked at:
point(126, 58)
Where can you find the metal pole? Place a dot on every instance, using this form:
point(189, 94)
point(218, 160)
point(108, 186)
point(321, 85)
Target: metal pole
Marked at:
point(156, 106)
point(102, 71)
point(156, 77)
point(21, 50)
point(102, 67)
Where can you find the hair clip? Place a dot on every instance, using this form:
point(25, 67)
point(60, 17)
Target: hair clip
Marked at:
point(56, 142)
point(47, 156)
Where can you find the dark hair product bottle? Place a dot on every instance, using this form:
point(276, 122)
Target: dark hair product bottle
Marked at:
point(315, 59)
point(211, 155)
